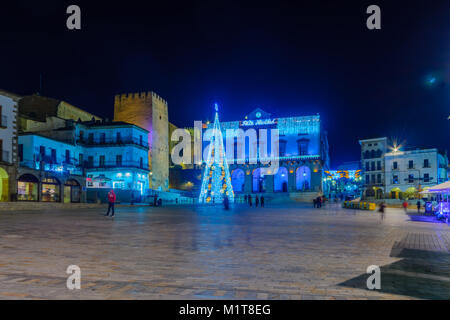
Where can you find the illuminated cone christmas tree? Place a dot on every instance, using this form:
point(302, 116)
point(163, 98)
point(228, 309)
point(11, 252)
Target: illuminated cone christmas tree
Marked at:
point(216, 181)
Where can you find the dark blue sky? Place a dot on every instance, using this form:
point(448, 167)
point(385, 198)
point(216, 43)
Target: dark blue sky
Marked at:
point(288, 58)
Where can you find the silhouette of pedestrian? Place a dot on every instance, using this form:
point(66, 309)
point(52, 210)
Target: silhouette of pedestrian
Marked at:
point(249, 200)
point(262, 202)
point(418, 206)
point(256, 202)
point(226, 203)
point(381, 210)
point(315, 202)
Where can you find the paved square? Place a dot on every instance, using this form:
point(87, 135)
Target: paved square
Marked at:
point(291, 252)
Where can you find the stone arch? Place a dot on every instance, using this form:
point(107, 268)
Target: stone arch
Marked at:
point(238, 180)
point(28, 187)
point(258, 181)
point(303, 178)
point(280, 183)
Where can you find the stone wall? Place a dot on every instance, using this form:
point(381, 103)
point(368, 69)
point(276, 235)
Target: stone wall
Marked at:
point(149, 111)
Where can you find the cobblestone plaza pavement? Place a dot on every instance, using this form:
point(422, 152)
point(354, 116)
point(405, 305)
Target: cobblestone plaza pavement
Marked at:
point(291, 252)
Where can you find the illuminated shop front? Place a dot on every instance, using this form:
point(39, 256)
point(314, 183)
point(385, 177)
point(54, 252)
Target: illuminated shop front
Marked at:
point(27, 188)
point(72, 191)
point(343, 183)
point(50, 190)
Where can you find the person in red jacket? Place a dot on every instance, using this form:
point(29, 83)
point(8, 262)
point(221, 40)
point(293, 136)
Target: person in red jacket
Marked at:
point(111, 201)
point(405, 205)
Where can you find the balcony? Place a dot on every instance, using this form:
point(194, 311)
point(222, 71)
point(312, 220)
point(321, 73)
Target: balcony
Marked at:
point(115, 164)
point(50, 166)
point(4, 122)
point(113, 142)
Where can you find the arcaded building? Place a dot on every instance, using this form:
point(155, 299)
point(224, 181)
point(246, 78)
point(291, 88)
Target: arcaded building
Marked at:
point(149, 111)
point(303, 158)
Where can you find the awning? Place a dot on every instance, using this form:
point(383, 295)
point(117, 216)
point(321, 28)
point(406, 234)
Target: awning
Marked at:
point(440, 188)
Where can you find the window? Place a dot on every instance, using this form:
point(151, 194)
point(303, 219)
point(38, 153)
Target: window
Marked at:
point(379, 178)
point(373, 179)
point(367, 179)
point(20, 152)
point(302, 147)
point(140, 141)
point(102, 161)
point(426, 177)
point(367, 166)
point(410, 178)
point(53, 151)
point(410, 164)
point(90, 161)
point(67, 156)
point(395, 165)
point(80, 159)
point(373, 165)
point(81, 136)
point(395, 179)
point(378, 165)
point(102, 137)
point(282, 146)
point(426, 163)
point(118, 137)
point(119, 159)
point(91, 138)
point(42, 152)
point(141, 162)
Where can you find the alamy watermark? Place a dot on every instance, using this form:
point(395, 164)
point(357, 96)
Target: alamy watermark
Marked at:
point(239, 147)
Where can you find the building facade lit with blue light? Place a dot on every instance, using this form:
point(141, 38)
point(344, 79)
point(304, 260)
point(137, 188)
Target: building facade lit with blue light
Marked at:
point(82, 161)
point(303, 157)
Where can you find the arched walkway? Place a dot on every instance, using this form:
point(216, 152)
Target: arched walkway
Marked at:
point(51, 190)
point(303, 178)
point(4, 185)
point(238, 180)
point(280, 182)
point(395, 193)
point(27, 187)
point(258, 181)
point(72, 191)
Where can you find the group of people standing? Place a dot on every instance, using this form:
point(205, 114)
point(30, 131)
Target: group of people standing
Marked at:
point(258, 200)
point(317, 202)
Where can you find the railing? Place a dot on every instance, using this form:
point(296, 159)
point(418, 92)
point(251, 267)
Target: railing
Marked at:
point(113, 141)
point(53, 167)
point(115, 164)
point(4, 121)
point(4, 156)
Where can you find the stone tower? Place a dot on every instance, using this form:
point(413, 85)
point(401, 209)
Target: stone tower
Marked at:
point(149, 111)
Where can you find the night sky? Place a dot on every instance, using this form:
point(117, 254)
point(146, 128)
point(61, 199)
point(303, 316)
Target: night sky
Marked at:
point(288, 58)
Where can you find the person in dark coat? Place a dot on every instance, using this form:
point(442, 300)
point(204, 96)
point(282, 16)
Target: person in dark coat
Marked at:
point(315, 202)
point(418, 206)
point(262, 202)
point(249, 200)
point(256, 202)
point(226, 203)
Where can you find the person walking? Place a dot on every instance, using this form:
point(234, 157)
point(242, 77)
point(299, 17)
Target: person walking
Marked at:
point(315, 202)
point(245, 198)
point(249, 200)
point(418, 206)
point(111, 201)
point(381, 210)
point(262, 202)
point(256, 202)
point(319, 202)
point(226, 203)
point(405, 206)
